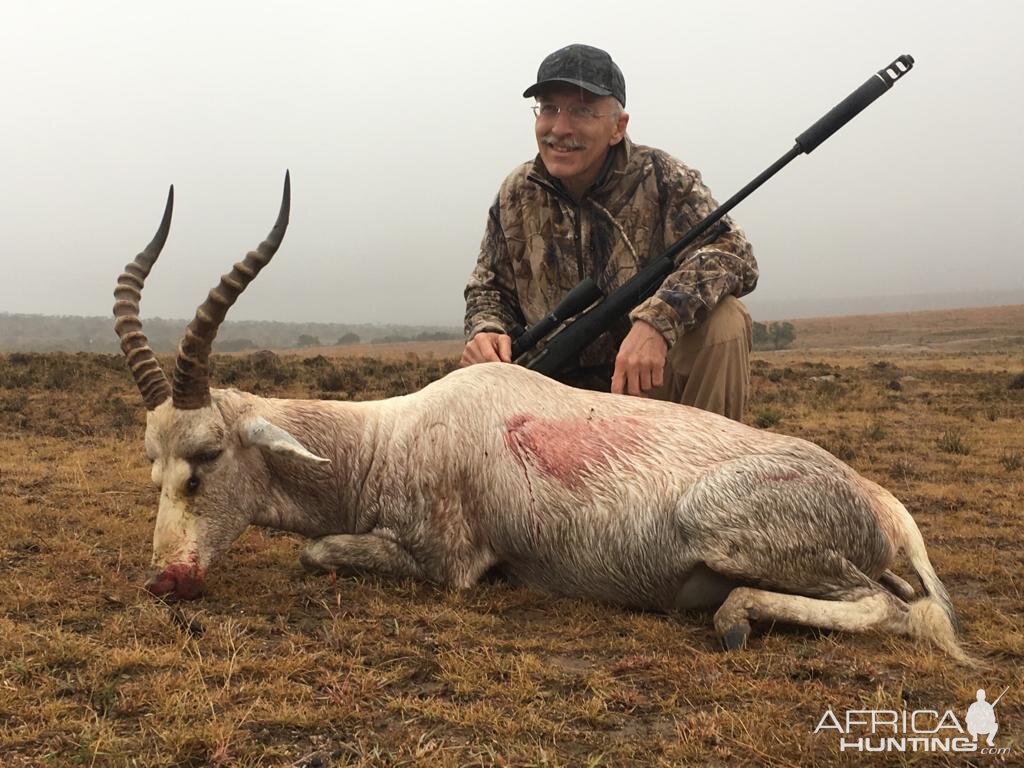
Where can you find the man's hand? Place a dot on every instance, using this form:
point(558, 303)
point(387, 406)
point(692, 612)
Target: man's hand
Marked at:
point(487, 348)
point(640, 364)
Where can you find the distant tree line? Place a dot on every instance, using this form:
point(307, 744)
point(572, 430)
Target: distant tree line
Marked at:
point(422, 336)
point(346, 339)
point(45, 333)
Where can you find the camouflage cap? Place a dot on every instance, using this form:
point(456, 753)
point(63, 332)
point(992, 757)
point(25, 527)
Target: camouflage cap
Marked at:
point(590, 68)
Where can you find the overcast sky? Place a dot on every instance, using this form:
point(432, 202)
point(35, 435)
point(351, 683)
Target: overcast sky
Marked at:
point(399, 121)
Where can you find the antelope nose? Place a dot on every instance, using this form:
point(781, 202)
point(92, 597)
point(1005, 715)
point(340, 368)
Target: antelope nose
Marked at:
point(174, 586)
point(159, 584)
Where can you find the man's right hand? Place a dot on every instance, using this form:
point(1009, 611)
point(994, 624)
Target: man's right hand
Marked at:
point(487, 348)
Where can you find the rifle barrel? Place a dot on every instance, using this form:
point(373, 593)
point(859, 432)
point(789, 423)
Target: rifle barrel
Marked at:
point(1000, 696)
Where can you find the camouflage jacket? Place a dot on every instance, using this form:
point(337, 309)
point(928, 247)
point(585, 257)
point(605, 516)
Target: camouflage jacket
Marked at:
point(539, 243)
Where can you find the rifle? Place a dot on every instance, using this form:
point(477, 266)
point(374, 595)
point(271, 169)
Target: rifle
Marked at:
point(563, 346)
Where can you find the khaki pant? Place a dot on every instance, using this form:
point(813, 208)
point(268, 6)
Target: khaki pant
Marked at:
point(708, 367)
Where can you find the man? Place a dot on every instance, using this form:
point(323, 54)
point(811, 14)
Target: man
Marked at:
point(593, 204)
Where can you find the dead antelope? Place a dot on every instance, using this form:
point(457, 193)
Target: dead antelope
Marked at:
point(620, 499)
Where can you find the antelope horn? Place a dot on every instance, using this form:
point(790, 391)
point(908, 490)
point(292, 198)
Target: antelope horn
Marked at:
point(146, 370)
point(191, 387)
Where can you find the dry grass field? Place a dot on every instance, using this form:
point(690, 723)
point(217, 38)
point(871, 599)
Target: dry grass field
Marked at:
point(398, 350)
point(276, 668)
point(972, 330)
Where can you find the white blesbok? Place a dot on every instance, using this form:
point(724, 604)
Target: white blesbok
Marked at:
point(615, 498)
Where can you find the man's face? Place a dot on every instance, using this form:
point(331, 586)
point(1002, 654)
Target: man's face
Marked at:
point(572, 145)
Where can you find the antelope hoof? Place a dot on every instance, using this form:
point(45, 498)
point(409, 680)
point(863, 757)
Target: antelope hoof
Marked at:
point(735, 638)
point(310, 564)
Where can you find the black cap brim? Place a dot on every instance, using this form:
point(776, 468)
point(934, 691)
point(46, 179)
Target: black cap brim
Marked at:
point(586, 86)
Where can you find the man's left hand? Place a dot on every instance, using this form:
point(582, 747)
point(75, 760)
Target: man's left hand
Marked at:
point(640, 364)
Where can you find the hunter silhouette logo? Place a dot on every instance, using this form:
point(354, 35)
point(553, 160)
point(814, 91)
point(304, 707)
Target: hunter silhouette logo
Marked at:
point(981, 717)
point(919, 730)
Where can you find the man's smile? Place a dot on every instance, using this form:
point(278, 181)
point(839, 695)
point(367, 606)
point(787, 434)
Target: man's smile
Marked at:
point(564, 147)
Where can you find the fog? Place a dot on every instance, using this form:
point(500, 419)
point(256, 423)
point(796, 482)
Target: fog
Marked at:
point(398, 122)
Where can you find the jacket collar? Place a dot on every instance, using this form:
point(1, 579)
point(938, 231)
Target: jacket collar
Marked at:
point(614, 168)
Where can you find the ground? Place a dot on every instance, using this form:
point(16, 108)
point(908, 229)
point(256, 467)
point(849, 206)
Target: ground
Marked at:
point(277, 668)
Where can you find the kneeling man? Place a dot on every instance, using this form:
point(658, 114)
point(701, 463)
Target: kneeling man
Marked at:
point(593, 204)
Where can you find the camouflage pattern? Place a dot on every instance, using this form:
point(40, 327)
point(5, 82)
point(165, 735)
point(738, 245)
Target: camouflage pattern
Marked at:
point(539, 243)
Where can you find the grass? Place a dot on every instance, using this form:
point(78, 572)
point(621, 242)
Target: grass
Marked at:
point(769, 417)
point(874, 432)
point(1012, 460)
point(906, 333)
point(953, 441)
point(275, 668)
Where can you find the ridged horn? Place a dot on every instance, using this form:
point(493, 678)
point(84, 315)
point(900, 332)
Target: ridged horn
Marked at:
point(191, 380)
point(146, 370)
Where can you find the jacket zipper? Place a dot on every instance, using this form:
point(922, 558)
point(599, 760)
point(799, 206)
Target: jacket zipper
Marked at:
point(578, 225)
point(579, 242)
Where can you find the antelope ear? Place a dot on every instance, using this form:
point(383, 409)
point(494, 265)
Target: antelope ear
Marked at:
point(257, 432)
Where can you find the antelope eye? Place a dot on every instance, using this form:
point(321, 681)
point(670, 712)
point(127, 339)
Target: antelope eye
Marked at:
point(207, 458)
point(193, 484)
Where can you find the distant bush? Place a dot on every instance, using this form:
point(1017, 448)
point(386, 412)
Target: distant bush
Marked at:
point(827, 391)
point(1012, 460)
point(424, 336)
point(235, 345)
point(903, 468)
point(840, 447)
point(778, 335)
point(767, 418)
point(264, 361)
point(14, 404)
point(436, 336)
point(952, 441)
point(121, 414)
point(346, 379)
point(348, 338)
point(874, 432)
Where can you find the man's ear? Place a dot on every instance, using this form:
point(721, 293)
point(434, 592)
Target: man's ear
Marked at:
point(620, 129)
point(257, 432)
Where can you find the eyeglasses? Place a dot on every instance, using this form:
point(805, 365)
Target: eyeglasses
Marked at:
point(577, 112)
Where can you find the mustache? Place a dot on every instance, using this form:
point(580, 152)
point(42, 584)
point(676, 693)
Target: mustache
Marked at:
point(570, 143)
